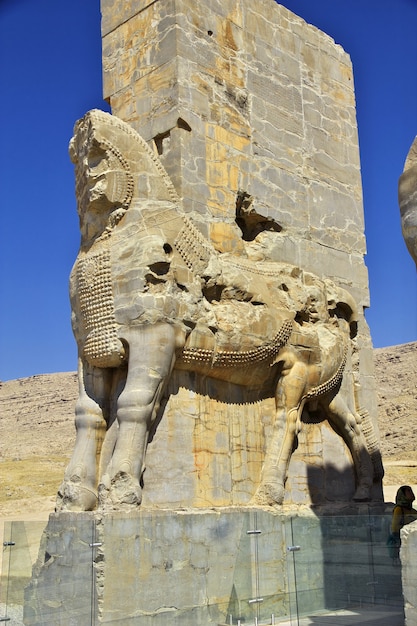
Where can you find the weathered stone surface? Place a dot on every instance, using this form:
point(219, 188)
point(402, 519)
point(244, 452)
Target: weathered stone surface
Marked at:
point(248, 97)
point(183, 568)
point(62, 590)
point(407, 196)
point(264, 85)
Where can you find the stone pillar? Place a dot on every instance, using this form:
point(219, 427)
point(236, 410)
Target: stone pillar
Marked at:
point(245, 96)
point(244, 100)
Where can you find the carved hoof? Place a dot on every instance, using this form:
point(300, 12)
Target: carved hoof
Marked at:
point(122, 491)
point(73, 496)
point(362, 494)
point(269, 494)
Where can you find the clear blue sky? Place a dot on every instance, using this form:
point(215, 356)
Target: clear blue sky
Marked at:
point(50, 75)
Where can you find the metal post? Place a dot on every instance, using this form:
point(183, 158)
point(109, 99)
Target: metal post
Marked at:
point(93, 544)
point(8, 544)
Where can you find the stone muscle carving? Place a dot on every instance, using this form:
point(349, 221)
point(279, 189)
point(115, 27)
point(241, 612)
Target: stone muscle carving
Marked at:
point(407, 196)
point(149, 293)
point(311, 370)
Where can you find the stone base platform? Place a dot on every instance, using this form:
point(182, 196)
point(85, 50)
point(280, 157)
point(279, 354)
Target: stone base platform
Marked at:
point(193, 568)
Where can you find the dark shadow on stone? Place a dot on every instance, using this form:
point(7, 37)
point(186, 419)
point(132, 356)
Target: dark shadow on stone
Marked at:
point(215, 389)
point(249, 221)
point(358, 574)
point(328, 484)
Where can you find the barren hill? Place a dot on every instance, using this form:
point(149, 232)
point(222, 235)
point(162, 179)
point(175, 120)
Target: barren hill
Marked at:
point(396, 374)
point(37, 431)
point(36, 439)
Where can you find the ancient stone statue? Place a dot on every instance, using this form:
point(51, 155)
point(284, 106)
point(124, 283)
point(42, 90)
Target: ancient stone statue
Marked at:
point(149, 293)
point(407, 196)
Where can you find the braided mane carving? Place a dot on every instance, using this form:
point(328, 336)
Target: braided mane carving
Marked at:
point(330, 384)
point(143, 148)
point(223, 358)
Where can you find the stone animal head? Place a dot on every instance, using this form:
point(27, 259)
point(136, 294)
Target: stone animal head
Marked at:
point(111, 170)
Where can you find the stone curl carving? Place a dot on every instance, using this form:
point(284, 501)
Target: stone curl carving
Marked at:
point(149, 293)
point(407, 197)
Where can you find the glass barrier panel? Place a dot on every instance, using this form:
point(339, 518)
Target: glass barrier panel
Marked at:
point(267, 599)
point(32, 592)
point(74, 545)
point(342, 571)
point(20, 544)
point(6, 536)
point(244, 568)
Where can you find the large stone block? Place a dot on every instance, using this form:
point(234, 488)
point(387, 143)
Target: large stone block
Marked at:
point(159, 568)
point(282, 86)
point(184, 568)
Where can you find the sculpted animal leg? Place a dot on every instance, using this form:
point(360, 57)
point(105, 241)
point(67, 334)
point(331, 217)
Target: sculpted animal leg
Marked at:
point(289, 394)
point(78, 491)
point(347, 424)
point(151, 359)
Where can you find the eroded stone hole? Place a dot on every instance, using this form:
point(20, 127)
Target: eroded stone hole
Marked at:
point(213, 292)
point(238, 97)
point(249, 221)
point(162, 142)
point(183, 124)
point(157, 270)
